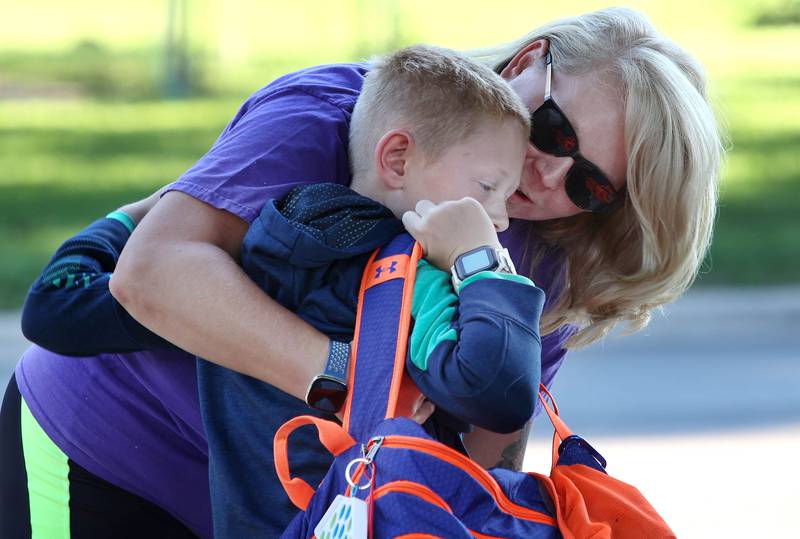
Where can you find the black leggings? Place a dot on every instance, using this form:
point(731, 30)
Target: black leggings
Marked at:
point(96, 509)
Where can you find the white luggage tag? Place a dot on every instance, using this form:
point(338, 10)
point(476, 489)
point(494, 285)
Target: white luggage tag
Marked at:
point(346, 518)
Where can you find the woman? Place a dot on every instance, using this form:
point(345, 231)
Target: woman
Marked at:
point(637, 106)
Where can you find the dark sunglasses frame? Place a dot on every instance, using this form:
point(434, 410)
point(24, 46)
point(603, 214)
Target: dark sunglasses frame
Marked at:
point(586, 185)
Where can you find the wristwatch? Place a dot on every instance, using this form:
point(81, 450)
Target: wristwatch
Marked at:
point(484, 258)
point(328, 390)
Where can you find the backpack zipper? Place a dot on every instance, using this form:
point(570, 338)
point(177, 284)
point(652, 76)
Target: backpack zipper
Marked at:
point(458, 460)
point(424, 493)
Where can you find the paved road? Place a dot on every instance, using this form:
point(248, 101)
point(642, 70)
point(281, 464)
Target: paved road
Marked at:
point(701, 411)
point(717, 359)
point(12, 344)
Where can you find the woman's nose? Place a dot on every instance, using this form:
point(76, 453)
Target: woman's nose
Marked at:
point(552, 170)
point(555, 175)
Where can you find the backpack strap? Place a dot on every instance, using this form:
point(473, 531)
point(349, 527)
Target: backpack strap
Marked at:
point(560, 429)
point(332, 437)
point(378, 387)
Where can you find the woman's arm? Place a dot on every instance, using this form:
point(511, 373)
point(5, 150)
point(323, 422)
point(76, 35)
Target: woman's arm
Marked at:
point(493, 450)
point(178, 273)
point(69, 308)
point(178, 276)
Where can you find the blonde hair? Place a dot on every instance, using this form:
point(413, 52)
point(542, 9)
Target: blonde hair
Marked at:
point(440, 95)
point(620, 266)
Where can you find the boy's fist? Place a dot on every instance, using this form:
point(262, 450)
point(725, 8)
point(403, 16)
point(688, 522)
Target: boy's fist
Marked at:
point(449, 229)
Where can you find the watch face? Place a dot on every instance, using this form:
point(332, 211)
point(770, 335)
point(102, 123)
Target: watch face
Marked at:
point(475, 261)
point(327, 395)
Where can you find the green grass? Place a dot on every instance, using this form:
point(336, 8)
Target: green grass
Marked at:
point(757, 237)
point(65, 161)
point(65, 164)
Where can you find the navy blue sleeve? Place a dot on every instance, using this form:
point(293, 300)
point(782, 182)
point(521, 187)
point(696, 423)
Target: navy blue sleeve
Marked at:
point(489, 375)
point(70, 310)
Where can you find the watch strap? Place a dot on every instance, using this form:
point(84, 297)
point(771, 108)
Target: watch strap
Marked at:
point(504, 259)
point(338, 360)
point(322, 390)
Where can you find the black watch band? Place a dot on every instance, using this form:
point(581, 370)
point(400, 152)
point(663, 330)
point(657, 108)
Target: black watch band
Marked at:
point(328, 390)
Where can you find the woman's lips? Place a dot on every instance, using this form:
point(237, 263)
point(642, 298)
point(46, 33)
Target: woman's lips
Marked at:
point(519, 196)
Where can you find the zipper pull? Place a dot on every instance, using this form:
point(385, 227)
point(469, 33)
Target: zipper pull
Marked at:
point(364, 463)
point(374, 445)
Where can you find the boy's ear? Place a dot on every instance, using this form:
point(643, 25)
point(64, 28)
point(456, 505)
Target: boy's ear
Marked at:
point(524, 58)
point(391, 157)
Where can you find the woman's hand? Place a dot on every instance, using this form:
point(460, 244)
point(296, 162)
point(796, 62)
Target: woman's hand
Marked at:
point(449, 229)
point(137, 210)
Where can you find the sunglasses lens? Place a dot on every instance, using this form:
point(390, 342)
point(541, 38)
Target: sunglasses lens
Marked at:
point(586, 185)
point(589, 189)
point(551, 132)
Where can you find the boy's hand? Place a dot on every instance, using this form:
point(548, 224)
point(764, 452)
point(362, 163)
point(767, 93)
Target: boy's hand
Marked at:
point(449, 229)
point(137, 210)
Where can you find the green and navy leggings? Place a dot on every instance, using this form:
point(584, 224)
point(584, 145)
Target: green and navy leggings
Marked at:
point(45, 495)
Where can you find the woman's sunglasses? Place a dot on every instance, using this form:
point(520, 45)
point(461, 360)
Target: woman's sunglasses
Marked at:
point(586, 185)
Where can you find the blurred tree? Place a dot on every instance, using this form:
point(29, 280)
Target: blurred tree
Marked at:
point(784, 14)
point(380, 27)
point(177, 82)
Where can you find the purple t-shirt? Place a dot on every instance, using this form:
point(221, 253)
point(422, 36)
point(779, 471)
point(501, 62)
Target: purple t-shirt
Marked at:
point(133, 419)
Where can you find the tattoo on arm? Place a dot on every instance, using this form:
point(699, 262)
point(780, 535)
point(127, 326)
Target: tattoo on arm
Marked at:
point(511, 458)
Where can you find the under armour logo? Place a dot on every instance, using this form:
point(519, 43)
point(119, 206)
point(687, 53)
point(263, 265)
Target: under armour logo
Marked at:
point(386, 268)
point(380, 269)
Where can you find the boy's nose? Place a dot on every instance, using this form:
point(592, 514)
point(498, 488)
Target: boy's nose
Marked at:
point(500, 219)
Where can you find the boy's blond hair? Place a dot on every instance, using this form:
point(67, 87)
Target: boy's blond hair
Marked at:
point(439, 95)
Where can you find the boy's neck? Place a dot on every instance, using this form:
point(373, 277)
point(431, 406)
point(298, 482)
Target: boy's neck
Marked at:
point(371, 187)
